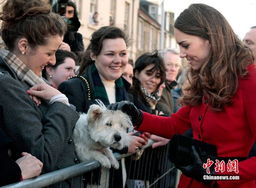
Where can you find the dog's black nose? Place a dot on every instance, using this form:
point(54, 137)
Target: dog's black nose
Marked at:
point(117, 137)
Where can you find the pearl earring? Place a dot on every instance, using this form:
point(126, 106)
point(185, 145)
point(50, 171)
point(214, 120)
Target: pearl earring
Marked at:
point(50, 76)
point(22, 53)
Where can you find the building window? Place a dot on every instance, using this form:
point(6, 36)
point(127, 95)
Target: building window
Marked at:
point(79, 6)
point(170, 23)
point(154, 39)
point(127, 18)
point(94, 15)
point(146, 41)
point(151, 41)
point(153, 11)
point(140, 35)
point(112, 16)
point(93, 6)
point(93, 20)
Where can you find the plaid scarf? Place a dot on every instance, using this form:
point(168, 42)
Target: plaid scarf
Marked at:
point(151, 98)
point(99, 89)
point(23, 72)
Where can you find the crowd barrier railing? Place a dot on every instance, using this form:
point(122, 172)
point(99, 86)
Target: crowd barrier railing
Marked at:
point(57, 176)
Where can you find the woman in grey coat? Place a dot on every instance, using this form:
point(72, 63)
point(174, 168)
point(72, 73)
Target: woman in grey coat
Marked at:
point(37, 117)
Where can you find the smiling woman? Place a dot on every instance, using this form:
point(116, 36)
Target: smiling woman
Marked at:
point(32, 112)
point(219, 103)
point(100, 77)
point(149, 74)
point(102, 65)
point(196, 50)
point(63, 69)
point(37, 58)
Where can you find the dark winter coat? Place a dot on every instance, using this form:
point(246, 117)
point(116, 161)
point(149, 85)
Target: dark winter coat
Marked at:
point(45, 131)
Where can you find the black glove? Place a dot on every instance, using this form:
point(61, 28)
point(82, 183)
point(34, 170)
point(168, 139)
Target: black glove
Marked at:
point(130, 109)
point(195, 170)
point(189, 155)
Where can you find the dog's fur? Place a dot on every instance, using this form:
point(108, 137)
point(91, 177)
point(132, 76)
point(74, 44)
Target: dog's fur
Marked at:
point(98, 130)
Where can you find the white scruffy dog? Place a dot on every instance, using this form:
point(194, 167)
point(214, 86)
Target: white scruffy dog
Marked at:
point(98, 130)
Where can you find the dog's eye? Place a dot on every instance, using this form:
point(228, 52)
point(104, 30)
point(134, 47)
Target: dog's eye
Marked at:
point(109, 124)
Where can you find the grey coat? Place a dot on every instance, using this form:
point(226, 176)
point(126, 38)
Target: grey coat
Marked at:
point(44, 131)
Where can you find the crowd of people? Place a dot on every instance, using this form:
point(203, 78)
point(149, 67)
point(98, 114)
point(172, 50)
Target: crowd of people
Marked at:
point(47, 79)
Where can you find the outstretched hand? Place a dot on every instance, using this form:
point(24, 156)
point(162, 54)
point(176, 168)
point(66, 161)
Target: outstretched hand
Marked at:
point(159, 141)
point(130, 109)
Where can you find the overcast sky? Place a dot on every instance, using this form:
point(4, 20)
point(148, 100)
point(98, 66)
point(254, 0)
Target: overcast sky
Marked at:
point(241, 14)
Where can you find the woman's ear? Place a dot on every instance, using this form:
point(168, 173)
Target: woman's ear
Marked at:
point(136, 74)
point(23, 45)
point(49, 71)
point(92, 56)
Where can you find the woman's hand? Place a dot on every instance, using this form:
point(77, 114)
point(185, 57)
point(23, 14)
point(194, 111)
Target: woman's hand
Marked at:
point(36, 100)
point(145, 136)
point(136, 143)
point(161, 87)
point(43, 91)
point(65, 46)
point(158, 141)
point(30, 166)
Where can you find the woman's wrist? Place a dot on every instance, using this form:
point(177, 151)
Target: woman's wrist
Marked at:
point(59, 98)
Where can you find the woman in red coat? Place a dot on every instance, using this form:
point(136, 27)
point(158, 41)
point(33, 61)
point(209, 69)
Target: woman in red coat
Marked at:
point(219, 102)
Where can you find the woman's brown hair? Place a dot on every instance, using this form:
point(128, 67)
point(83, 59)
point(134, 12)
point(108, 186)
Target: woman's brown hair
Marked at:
point(96, 44)
point(217, 80)
point(31, 19)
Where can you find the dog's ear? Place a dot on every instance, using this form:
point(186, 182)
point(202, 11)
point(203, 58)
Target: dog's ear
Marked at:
point(94, 112)
point(97, 113)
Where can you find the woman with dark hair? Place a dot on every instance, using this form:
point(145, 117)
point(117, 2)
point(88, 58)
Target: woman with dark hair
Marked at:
point(62, 70)
point(37, 117)
point(100, 77)
point(102, 66)
point(71, 16)
point(72, 36)
point(219, 104)
point(149, 75)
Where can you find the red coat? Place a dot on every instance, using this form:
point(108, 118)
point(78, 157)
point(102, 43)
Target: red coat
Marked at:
point(233, 130)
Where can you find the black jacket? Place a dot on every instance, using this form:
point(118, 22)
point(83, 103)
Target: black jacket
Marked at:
point(77, 91)
point(9, 170)
point(45, 131)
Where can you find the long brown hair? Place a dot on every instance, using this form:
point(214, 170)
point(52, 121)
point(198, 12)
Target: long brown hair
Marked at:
point(217, 80)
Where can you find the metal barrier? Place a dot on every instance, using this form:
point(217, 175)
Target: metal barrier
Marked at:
point(67, 173)
point(153, 169)
point(56, 176)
